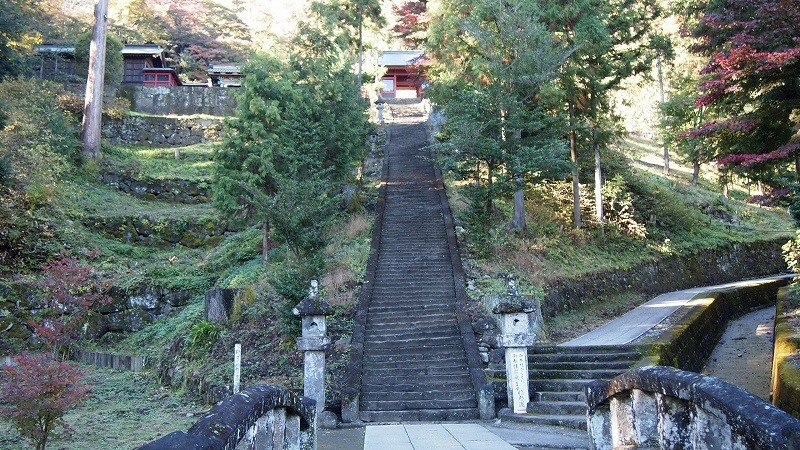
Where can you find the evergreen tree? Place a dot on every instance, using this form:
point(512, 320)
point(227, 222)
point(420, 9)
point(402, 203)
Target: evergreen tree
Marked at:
point(612, 40)
point(501, 129)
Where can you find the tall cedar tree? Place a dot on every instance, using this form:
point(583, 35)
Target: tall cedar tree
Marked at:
point(500, 130)
point(612, 42)
point(753, 75)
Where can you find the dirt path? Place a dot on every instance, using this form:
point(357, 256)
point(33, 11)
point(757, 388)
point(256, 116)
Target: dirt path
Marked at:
point(743, 356)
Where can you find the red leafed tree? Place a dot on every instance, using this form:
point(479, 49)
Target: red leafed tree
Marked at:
point(412, 22)
point(753, 80)
point(35, 393)
point(67, 291)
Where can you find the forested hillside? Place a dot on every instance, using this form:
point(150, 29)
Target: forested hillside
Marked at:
point(582, 137)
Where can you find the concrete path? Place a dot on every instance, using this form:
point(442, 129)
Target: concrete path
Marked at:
point(455, 436)
point(638, 321)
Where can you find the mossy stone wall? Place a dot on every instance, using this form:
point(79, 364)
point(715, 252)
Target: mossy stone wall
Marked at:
point(675, 272)
point(785, 369)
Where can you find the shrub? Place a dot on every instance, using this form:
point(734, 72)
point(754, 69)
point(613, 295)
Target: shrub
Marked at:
point(36, 392)
point(66, 293)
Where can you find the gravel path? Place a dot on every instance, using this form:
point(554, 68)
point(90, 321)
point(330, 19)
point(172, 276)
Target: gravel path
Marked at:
point(743, 356)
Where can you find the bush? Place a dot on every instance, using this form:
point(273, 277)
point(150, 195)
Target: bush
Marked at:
point(36, 392)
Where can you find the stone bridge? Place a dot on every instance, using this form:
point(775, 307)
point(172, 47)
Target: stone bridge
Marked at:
point(259, 418)
point(662, 407)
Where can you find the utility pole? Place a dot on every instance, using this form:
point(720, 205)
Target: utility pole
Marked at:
point(93, 105)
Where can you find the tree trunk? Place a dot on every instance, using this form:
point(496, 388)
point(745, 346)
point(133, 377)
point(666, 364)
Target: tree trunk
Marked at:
point(265, 241)
point(518, 222)
point(93, 105)
point(598, 182)
point(695, 172)
point(797, 166)
point(360, 48)
point(661, 91)
point(576, 186)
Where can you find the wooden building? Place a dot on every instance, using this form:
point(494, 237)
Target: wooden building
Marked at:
point(139, 57)
point(404, 76)
point(161, 76)
point(225, 75)
point(57, 62)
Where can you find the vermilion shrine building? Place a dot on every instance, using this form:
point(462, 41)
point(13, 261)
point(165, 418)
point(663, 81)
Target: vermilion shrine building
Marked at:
point(404, 76)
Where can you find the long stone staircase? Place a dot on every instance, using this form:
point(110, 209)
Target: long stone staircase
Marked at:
point(414, 360)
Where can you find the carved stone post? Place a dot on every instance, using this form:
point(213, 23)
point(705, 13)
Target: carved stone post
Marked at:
point(516, 338)
point(314, 341)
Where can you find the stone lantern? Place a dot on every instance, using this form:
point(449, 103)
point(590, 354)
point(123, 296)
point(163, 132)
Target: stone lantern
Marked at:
point(314, 341)
point(373, 139)
point(516, 337)
point(379, 104)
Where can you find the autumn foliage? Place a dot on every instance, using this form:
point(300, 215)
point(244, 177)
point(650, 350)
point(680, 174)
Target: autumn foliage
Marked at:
point(751, 79)
point(36, 392)
point(67, 291)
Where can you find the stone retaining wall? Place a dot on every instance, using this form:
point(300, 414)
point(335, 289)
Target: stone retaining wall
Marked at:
point(179, 100)
point(785, 371)
point(128, 311)
point(190, 232)
point(161, 131)
point(675, 272)
point(167, 191)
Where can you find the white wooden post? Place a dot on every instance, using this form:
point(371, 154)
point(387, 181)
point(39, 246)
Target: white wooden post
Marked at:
point(237, 367)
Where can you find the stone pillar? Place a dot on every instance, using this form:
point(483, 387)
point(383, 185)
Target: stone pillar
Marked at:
point(314, 341)
point(516, 338)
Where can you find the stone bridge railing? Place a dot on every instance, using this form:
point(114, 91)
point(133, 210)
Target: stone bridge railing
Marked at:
point(662, 407)
point(259, 418)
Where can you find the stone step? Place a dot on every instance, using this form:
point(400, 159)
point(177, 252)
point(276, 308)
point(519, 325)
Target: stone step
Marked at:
point(574, 374)
point(453, 382)
point(420, 415)
point(565, 421)
point(400, 405)
point(424, 395)
point(400, 323)
point(557, 408)
point(378, 335)
point(415, 351)
point(554, 385)
point(442, 369)
point(559, 397)
point(380, 314)
point(583, 357)
point(377, 342)
point(621, 366)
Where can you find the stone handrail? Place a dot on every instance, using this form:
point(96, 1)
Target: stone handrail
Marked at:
point(261, 417)
point(662, 407)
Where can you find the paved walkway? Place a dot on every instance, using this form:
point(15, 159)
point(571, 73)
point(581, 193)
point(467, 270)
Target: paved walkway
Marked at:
point(638, 321)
